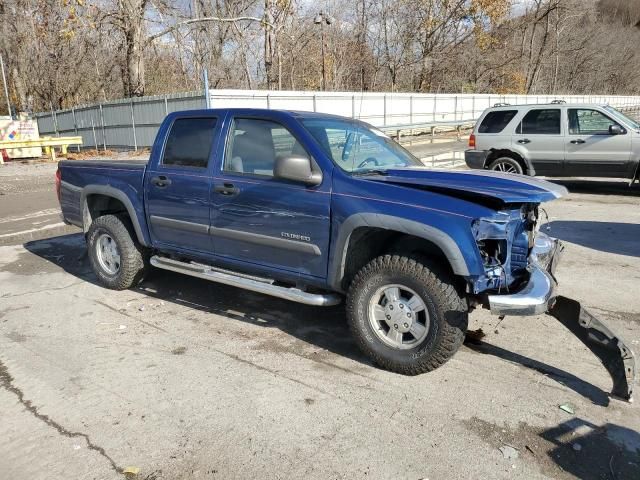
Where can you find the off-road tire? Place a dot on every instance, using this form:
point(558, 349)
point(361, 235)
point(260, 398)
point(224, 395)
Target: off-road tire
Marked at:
point(447, 310)
point(511, 162)
point(134, 259)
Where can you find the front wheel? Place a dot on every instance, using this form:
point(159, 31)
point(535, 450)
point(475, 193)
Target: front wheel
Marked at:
point(405, 316)
point(117, 259)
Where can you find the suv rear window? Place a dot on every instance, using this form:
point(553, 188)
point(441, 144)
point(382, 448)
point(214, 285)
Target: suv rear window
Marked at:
point(540, 121)
point(494, 122)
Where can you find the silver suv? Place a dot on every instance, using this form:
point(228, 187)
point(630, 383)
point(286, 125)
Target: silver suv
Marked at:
point(556, 139)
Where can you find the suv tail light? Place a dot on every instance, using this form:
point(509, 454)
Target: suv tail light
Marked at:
point(58, 179)
point(472, 140)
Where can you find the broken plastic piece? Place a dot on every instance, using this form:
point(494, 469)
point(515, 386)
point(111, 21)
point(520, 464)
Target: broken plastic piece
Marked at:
point(131, 472)
point(567, 407)
point(616, 357)
point(509, 452)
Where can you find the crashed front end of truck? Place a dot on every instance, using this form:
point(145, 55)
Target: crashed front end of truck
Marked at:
point(519, 262)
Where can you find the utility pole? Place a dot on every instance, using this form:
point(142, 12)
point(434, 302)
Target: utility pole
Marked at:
point(205, 80)
point(321, 19)
point(4, 82)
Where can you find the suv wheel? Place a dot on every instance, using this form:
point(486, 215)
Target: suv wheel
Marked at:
point(506, 165)
point(117, 259)
point(405, 316)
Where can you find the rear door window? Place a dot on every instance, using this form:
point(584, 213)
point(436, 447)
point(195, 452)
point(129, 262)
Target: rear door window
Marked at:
point(189, 143)
point(544, 121)
point(494, 122)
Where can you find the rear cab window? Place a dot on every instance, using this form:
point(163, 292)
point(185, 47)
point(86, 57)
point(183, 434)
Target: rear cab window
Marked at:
point(496, 121)
point(189, 143)
point(540, 121)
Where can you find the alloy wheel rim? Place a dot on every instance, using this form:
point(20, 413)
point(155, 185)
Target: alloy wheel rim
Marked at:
point(398, 316)
point(504, 167)
point(108, 254)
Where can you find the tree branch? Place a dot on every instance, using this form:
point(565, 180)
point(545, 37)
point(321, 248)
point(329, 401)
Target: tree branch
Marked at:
point(191, 21)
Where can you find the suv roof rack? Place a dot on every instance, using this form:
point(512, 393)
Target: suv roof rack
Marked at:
point(501, 104)
point(558, 101)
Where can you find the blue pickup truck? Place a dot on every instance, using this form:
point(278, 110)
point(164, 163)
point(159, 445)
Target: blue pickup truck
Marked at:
point(312, 208)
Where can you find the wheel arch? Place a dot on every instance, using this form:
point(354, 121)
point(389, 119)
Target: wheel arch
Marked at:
point(98, 200)
point(378, 234)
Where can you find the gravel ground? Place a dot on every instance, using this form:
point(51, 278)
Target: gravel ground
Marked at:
point(186, 379)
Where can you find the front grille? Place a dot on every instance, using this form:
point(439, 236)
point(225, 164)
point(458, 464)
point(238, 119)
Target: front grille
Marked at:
point(519, 254)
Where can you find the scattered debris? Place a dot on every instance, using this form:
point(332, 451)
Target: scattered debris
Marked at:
point(567, 407)
point(509, 452)
point(179, 350)
point(131, 472)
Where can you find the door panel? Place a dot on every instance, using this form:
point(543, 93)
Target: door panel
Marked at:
point(260, 219)
point(590, 150)
point(179, 186)
point(539, 136)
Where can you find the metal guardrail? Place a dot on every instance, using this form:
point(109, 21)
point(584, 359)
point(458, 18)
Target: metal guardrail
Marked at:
point(48, 143)
point(430, 126)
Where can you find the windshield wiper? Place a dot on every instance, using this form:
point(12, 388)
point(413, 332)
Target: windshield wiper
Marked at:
point(373, 171)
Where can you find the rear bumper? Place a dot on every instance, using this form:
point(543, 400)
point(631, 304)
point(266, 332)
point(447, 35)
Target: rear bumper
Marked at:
point(475, 158)
point(539, 293)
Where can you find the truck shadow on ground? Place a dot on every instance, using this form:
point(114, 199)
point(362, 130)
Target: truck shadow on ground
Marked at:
point(599, 187)
point(582, 387)
point(325, 328)
point(610, 237)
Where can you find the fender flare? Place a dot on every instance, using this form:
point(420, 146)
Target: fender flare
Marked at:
point(436, 236)
point(109, 191)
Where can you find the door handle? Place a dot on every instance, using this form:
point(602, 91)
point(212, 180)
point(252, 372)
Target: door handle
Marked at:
point(226, 189)
point(524, 141)
point(577, 141)
point(161, 181)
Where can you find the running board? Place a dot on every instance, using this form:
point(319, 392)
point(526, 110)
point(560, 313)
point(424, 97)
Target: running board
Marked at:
point(247, 282)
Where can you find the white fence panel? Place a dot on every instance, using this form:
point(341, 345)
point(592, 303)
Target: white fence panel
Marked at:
point(133, 123)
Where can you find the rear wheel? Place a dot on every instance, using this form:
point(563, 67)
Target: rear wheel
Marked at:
point(405, 316)
point(506, 165)
point(117, 259)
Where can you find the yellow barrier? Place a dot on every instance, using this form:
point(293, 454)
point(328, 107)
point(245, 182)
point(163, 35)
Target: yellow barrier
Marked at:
point(48, 143)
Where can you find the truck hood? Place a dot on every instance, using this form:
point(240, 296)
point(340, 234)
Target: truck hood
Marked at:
point(503, 187)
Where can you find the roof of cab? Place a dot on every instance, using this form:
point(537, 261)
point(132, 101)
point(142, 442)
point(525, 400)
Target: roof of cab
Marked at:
point(258, 111)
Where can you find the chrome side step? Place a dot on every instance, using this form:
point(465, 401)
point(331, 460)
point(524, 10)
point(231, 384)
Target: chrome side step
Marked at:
point(255, 284)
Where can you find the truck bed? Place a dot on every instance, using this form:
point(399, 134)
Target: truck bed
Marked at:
point(80, 178)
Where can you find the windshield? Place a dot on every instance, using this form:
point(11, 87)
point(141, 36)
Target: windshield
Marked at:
point(358, 148)
point(621, 116)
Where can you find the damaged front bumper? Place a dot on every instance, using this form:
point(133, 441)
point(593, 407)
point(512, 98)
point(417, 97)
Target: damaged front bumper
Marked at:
point(538, 294)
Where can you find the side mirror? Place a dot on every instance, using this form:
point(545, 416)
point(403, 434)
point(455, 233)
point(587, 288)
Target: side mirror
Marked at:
point(616, 130)
point(296, 168)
